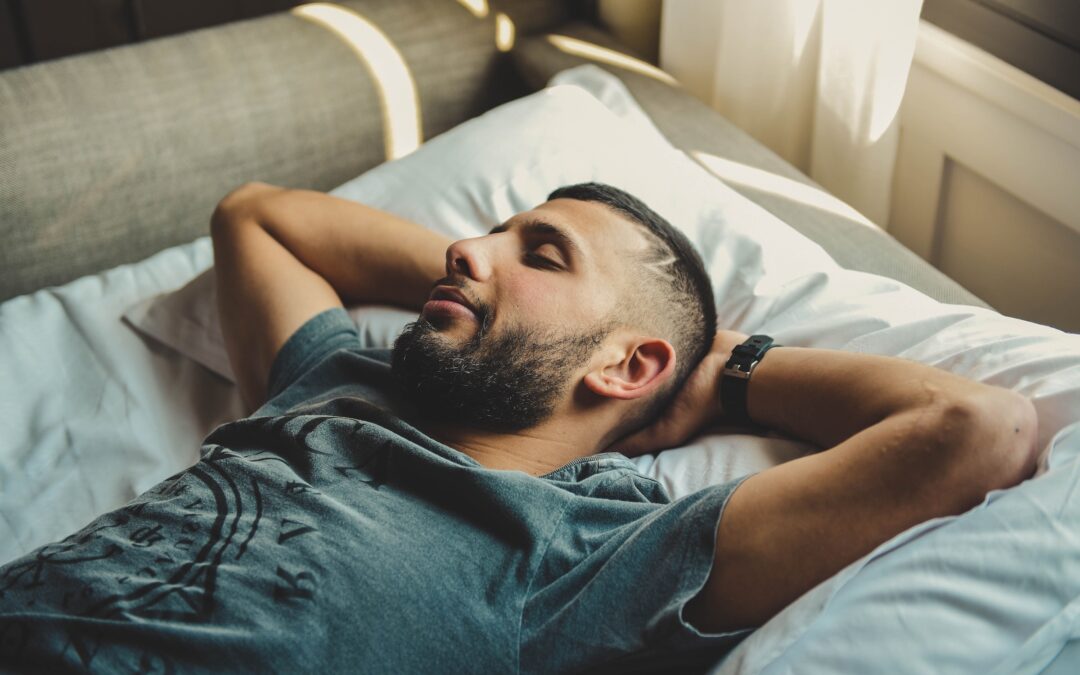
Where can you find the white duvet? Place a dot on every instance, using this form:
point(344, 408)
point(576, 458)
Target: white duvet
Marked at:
point(95, 412)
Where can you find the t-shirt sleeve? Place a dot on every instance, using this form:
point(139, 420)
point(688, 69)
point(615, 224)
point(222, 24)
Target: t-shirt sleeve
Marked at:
point(611, 595)
point(321, 336)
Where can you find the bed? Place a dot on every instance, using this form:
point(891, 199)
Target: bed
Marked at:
point(110, 164)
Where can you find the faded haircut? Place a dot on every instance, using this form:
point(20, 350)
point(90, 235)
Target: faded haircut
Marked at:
point(672, 296)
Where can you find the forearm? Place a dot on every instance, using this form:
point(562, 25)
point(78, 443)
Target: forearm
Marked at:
point(902, 443)
point(826, 396)
point(366, 255)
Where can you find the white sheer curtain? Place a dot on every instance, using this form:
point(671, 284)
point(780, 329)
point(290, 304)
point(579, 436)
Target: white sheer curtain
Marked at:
point(818, 81)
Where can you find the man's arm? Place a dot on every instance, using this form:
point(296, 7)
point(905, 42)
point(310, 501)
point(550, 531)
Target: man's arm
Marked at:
point(906, 443)
point(283, 256)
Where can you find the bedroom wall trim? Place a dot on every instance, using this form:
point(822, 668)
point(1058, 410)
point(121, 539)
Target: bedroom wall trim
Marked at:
point(985, 183)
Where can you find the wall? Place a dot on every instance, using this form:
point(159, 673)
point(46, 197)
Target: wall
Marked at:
point(38, 30)
point(987, 181)
point(635, 23)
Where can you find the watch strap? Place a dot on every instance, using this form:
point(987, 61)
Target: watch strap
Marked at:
point(735, 379)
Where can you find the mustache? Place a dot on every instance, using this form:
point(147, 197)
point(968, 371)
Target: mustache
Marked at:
point(484, 312)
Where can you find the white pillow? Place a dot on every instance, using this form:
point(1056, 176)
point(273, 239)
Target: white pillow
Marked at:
point(187, 321)
point(768, 278)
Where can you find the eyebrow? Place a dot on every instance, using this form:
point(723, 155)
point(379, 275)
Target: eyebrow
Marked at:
point(535, 227)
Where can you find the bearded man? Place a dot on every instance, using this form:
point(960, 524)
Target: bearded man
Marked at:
point(464, 502)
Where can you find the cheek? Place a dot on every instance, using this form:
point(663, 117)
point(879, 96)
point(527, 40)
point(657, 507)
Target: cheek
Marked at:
point(544, 299)
point(530, 290)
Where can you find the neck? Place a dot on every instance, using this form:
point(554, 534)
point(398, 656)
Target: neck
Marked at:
point(535, 451)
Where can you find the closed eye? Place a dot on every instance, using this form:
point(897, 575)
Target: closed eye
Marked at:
point(537, 260)
point(540, 236)
point(533, 256)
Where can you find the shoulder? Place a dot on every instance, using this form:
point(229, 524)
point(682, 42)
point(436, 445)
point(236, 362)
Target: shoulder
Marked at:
point(324, 358)
point(608, 475)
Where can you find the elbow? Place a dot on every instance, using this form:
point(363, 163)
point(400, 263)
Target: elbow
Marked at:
point(992, 435)
point(1021, 452)
point(240, 204)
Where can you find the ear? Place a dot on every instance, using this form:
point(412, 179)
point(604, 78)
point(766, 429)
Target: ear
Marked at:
point(643, 367)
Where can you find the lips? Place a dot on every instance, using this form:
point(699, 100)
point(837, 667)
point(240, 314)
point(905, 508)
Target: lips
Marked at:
point(451, 294)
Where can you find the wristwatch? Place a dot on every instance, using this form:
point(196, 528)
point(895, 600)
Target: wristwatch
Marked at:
point(735, 379)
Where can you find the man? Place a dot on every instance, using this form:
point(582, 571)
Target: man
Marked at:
point(463, 504)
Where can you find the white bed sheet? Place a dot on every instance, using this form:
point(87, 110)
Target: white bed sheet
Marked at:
point(96, 414)
point(93, 413)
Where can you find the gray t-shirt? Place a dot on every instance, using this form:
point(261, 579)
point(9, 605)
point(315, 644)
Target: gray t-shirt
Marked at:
point(325, 533)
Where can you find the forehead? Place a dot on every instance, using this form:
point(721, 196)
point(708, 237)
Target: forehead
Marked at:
point(602, 234)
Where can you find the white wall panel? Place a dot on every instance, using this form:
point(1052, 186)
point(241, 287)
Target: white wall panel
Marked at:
point(987, 180)
point(1020, 260)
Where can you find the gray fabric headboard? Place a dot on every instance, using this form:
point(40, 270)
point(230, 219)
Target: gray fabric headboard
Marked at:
point(108, 157)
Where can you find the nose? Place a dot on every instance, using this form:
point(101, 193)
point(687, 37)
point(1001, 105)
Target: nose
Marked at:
point(467, 257)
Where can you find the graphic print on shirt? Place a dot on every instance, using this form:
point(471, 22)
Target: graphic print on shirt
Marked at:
point(159, 558)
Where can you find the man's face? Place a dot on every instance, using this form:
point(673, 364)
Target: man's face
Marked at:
point(514, 324)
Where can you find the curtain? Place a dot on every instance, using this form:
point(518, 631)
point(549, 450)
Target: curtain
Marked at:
point(818, 81)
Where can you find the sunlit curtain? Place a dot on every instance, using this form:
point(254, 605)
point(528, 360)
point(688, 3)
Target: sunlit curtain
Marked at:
point(818, 81)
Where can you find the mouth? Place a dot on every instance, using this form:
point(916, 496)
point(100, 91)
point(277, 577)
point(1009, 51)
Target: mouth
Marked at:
point(447, 300)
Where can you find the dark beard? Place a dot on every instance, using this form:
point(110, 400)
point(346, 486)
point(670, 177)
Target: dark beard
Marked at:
point(503, 383)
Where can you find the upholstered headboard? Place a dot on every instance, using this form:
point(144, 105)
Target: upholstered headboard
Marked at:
point(108, 157)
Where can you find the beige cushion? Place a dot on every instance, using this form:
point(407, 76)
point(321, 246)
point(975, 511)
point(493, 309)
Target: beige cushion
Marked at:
point(111, 156)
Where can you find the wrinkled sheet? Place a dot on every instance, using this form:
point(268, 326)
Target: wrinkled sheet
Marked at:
point(93, 413)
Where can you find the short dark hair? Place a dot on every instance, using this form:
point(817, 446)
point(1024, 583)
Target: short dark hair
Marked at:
point(679, 293)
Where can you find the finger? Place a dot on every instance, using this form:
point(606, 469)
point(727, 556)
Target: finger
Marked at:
point(689, 412)
point(677, 425)
point(650, 439)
